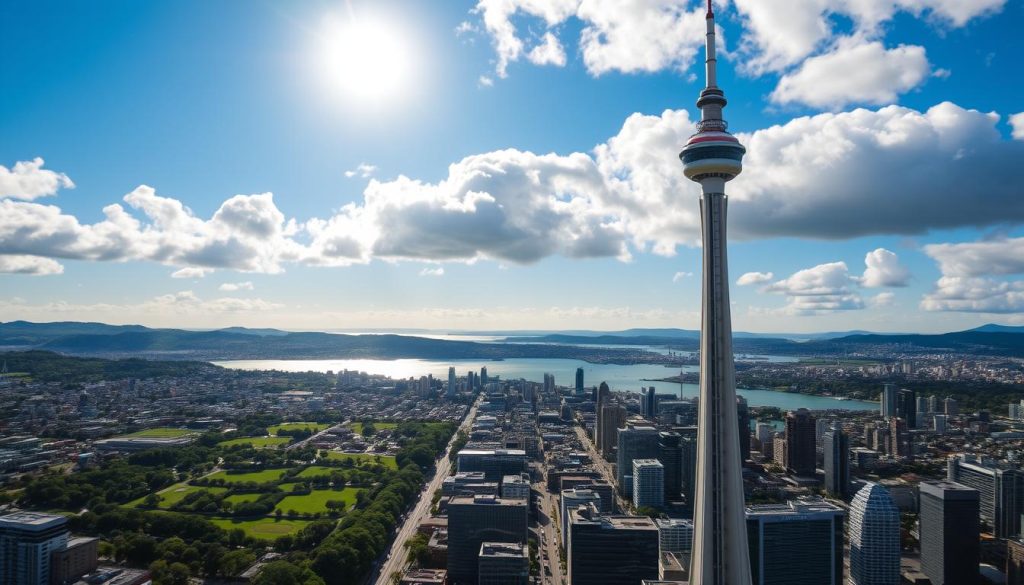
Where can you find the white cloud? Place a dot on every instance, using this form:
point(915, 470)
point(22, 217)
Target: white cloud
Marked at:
point(984, 258)
point(164, 310)
point(884, 269)
point(824, 288)
point(191, 272)
point(972, 277)
point(754, 278)
point(975, 295)
point(362, 170)
point(235, 286)
point(680, 276)
point(485, 81)
point(21, 264)
point(29, 180)
point(439, 271)
point(548, 52)
point(497, 15)
point(883, 299)
point(1017, 124)
point(854, 72)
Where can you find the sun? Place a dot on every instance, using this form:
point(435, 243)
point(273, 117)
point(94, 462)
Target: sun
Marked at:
point(365, 59)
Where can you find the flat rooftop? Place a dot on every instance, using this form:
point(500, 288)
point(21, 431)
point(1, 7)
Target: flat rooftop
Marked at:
point(31, 520)
point(503, 549)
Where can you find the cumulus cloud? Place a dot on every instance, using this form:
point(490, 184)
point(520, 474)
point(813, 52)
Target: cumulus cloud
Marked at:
point(883, 299)
point(21, 264)
point(884, 269)
point(1017, 124)
point(749, 278)
point(362, 170)
point(28, 179)
point(497, 21)
point(973, 276)
point(439, 271)
point(235, 286)
point(680, 276)
point(854, 72)
point(191, 272)
point(548, 52)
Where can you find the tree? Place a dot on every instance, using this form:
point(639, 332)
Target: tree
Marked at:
point(286, 573)
point(234, 562)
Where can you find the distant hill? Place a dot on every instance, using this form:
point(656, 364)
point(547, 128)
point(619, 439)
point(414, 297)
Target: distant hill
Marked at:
point(993, 328)
point(17, 333)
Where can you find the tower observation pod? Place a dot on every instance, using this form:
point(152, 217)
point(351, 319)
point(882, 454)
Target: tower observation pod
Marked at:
point(711, 157)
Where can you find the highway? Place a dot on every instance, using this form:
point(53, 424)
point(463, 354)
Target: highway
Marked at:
point(396, 559)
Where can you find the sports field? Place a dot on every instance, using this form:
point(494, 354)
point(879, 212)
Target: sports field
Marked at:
point(385, 460)
point(293, 426)
point(316, 501)
point(257, 442)
point(262, 528)
point(159, 433)
point(265, 476)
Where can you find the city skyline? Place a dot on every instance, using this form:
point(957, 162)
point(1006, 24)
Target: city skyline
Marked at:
point(507, 153)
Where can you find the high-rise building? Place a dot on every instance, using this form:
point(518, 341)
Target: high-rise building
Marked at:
point(874, 537)
point(888, 400)
point(837, 463)
point(648, 483)
point(650, 404)
point(549, 383)
point(27, 543)
point(1014, 562)
point(670, 453)
point(613, 417)
point(743, 422)
point(949, 533)
point(611, 550)
point(579, 381)
point(635, 442)
point(572, 499)
point(688, 446)
point(495, 463)
point(452, 387)
point(906, 407)
point(933, 404)
point(474, 520)
point(675, 534)
point(1000, 491)
point(951, 406)
point(939, 422)
point(901, 444)
point(483, 375)
point(503, 563)
point(800, 443)
point(711, 157)
point(797, 543)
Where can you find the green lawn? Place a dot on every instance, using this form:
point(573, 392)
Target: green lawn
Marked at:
point(296, 426)
point(239, 498)
point(386, 460)
point(263, 528)
point(257, 442)
point(316, 501)
point(160, 433)
point(265, 476)
point(316, 471)
point(176, 493)
point(381, 426)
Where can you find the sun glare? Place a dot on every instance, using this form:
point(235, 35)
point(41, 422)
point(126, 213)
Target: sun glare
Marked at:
point(366, 59)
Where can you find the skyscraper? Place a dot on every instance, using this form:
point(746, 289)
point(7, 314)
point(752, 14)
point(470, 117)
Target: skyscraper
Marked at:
point(483, 375)
point(1000, 490)
point(837, 462)
point(670, 453)
point(888, 400)
point(711, 157)
point(635, 442)
point(906, 407)
point(743, 422)
point(27, 543)
point(648, 483)
point(610, 550)
point(579, 381)
point(797, 543)
point(874, 538)
point(650, 405)
point(474, 520)
point(949, 533)
point(451, 382)
point(613, 417)
point(800, 443)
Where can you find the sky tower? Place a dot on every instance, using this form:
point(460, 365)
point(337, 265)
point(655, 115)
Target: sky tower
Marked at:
point(711, 157)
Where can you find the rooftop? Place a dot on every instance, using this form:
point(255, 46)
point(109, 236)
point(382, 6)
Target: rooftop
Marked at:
point(32, 520)
point(502, 549)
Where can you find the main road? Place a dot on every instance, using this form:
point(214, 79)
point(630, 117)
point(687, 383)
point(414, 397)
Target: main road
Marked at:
point(603, 466)
point(397, 556)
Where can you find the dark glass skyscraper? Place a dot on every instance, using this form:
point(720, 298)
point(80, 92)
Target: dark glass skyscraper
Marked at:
point(906, 406)
point(799, 543)
point(837, 463)
point(949, 517)
point(801, 454)
point(474, 520)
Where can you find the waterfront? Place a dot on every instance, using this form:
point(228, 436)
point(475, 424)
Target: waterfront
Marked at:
point(618, 377)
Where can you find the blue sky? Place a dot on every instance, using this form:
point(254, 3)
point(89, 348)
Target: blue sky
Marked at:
point(518, 166)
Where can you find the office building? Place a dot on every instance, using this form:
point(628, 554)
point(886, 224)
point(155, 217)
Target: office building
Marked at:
point(483, 376)
point(906, 407)
point(648, 483)
point(503, 563)
point(452, 384)
point(670, 453)
point(1000, 491)
point(474, 520)
point(1014, 562)
point(79, 557)
point(800, 443)
point(939, 422)
point(836, 447)
point(579, 381)
point(711, 157)
point(613, 417)
point(888, 400)
point(611, 550)
point(874, 537)
point(688, 446)
point(743, 422)
point(27, 543)
point(495, 463)
point(797, 543)
point(951, 406)
point(573, 499)
point(900, 442)
point(635, 442)
point(515, 487)
point(649, 403)
point(675, 534)
point(950, 533)
point(549, 384)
